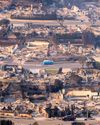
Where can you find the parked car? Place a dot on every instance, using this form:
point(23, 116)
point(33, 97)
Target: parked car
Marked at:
point(48, 62)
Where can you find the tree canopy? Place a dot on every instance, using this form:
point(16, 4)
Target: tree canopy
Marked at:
point(4, 22)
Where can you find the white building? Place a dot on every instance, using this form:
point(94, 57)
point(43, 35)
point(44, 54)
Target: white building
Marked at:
point(82, 93)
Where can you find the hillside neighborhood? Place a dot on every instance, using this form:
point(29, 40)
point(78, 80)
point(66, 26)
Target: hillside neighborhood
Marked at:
point(49, 62)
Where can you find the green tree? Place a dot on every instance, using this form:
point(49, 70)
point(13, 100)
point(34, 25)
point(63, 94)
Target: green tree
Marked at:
point(35, 123)
point(5, 22)
point(6, 122)
point(78, 123)
point(5, 27)
point(48, 2)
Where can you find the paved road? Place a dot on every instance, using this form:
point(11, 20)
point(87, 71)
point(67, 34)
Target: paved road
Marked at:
point(53, 22)
point(49, 22)
point(57, 65)
point(49, 122)
point(63, 64)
